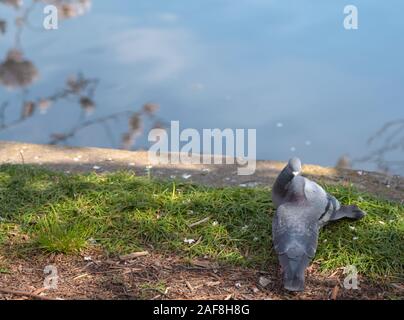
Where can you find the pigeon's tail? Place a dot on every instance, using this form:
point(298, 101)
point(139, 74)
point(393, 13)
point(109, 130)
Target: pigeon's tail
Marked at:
point(350, 212)
point(293, 271)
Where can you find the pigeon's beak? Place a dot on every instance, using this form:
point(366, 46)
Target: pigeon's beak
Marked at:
point(293, 272)
point(294, 284)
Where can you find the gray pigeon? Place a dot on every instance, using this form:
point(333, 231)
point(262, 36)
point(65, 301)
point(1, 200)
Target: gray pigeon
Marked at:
point(302, 208)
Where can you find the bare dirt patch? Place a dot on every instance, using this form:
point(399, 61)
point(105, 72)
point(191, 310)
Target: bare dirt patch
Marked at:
point(95, 276)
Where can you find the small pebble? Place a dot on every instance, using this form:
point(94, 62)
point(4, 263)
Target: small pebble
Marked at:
point(249, 184)
point(189, 241)
point(264, 281)
point(241, 160)
point(186, 176)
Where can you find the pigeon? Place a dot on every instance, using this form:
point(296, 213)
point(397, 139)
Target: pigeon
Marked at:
point(302, 208)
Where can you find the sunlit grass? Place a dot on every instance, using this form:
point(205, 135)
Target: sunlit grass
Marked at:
point(122, 213)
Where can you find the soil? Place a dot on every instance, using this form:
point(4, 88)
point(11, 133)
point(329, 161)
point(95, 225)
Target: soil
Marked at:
point(93, 275)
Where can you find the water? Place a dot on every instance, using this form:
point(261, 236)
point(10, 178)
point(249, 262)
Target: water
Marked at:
point(286, 68)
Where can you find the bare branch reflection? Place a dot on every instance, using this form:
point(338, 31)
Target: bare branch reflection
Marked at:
point(81, 90)
point(3, 26)
point(390, 138)
point(70, 8)
point(19, 73)
point(12, 3)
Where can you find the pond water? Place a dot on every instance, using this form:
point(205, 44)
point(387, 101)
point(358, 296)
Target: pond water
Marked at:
point(287, 68)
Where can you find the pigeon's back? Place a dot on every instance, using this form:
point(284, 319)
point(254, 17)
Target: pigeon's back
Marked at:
point(297, 219)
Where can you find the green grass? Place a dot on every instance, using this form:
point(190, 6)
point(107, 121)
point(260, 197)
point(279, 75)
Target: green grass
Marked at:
point(123, 213)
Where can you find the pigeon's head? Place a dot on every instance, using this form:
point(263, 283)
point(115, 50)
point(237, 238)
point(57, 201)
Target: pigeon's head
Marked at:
point(293, 268)
point(294, 166)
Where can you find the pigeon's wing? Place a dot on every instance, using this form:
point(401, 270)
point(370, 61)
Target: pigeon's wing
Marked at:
point(329, 207)
point(295, 230)
point(315, 194)
point(325, 204)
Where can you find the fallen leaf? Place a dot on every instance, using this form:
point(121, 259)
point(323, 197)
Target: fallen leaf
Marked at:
point(213, 283)
point(334, 293)
point(189, 286)
point(203, 264)
point(133, 255)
